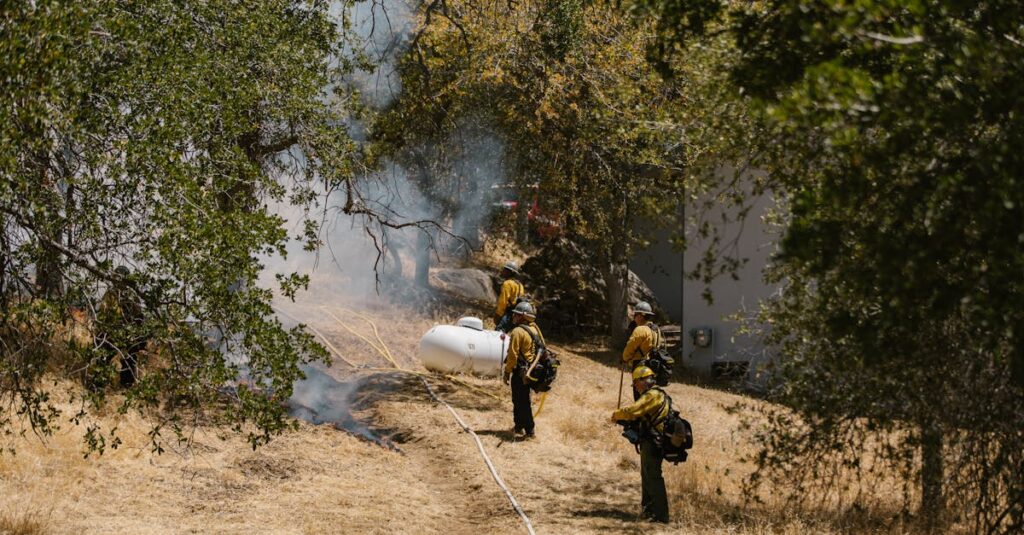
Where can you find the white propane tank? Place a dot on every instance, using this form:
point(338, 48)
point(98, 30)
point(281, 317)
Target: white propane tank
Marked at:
point(464, 347)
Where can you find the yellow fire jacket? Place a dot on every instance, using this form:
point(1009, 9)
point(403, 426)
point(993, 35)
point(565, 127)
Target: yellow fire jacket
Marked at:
point(652, 409)
point(520, 346)
point(511, 290)
point(640, 344)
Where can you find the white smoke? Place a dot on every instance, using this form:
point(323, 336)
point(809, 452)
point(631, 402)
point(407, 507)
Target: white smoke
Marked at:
point(382, 30)
point(451, 187)
point(359, 253)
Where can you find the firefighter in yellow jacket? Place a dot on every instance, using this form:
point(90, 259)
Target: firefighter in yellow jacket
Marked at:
point(511, 291)
point(521, 354)
point(650, 411)
point(641, 341)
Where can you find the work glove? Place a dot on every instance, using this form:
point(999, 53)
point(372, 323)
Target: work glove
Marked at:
point(506, 378)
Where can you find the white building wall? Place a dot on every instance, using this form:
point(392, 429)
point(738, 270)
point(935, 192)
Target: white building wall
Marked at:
point(662, 269)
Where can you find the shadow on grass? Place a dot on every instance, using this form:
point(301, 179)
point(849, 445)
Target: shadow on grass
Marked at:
point(612, 513)
point(505, 435)
point(408, 388)
point(712, 510)
point(389, 386)
point(396, 386)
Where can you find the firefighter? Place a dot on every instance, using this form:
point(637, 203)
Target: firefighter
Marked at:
point(512, 292)
point(641, 340)
point(119, 321)
point(650, 413)
point(521, 353)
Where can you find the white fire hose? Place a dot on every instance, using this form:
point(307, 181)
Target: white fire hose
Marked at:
point(487, 459)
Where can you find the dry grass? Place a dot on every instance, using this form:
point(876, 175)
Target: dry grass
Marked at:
point(578, 476)
point(14, 522)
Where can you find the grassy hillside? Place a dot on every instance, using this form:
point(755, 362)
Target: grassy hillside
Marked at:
point(578, 476)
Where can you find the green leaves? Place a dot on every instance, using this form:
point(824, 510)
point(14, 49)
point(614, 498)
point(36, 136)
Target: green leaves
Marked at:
point(156, 136)
point(896, 142)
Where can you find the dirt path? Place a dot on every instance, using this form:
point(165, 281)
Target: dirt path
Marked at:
point(577, 476)
point(564, 480)
point(445, 458)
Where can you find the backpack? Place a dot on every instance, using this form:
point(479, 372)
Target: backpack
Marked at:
point(659, 361)
point(676, 436)
point(543, 371)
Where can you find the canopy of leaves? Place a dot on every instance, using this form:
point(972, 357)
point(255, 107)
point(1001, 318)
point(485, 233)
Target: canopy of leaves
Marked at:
point(154, 135)
point(897, 129)
point(582, 115)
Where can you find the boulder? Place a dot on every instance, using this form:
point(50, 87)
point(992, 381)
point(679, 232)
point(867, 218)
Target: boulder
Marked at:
point(567, 285)
point(468, 284)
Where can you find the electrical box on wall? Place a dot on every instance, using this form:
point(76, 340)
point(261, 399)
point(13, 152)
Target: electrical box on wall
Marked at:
point(702, 336)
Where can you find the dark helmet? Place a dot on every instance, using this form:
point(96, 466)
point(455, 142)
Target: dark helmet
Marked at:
point(526, 309)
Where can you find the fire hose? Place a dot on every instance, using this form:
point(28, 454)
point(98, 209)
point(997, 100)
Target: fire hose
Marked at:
point(386, 353)
point(487, 459)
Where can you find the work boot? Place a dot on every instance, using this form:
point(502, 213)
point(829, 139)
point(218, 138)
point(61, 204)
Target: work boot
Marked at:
point(649, 516)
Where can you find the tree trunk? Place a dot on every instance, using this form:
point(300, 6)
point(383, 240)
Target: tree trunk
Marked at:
point(393, 269)
point(5, 255)
point(1017, 366)
point(470, 231)
point(49, 272)
point(932, 502)
point(423, 259)
point(49, 276)
point(616, 278)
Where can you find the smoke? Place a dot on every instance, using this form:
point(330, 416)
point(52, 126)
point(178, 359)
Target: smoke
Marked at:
point(482, 166)
point(447, 181)
point(318, 399)
point(379, 32)
point(322, 399)
point(325, 398)
point(452, 188)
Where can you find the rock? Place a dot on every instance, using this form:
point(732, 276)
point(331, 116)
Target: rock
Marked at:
point(639, 291)
point(567, 285)
point(469, 284)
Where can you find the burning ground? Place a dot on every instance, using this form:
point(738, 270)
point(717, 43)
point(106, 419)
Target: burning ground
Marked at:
point(579, 476)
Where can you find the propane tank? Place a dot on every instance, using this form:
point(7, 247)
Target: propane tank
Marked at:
point(464, 348)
